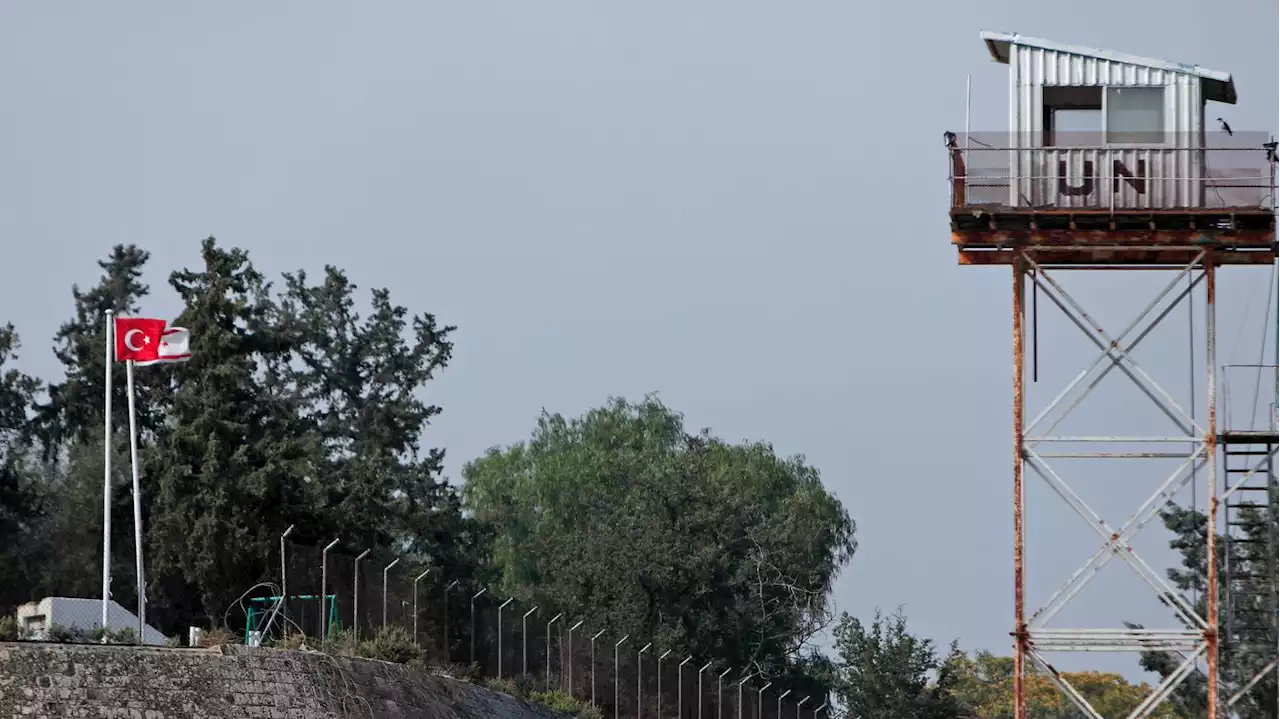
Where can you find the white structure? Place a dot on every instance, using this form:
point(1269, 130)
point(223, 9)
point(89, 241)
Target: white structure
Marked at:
point(35, 618)
point(1105, 130)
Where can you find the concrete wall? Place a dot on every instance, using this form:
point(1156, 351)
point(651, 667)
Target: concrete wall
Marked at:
point(59, 680)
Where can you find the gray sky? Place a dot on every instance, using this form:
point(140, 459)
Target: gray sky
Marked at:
point(741, 205)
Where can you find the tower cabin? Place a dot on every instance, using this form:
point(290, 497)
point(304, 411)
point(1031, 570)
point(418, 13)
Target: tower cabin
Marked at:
point(1110, 160)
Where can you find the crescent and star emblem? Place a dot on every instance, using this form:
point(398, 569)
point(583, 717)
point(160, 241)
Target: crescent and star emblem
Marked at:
point(128, 340)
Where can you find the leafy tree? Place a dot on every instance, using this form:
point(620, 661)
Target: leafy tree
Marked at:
point(885, 672)
point(984, 685)
point(712, 549)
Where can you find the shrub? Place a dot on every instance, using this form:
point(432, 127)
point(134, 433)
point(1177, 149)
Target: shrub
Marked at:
point(522, 685)
point(216, 637)
point(393, 644)
point(565, 704)
point(291, 640)
point(70, 635)
point(8, 629)
point(127, 635)
point(341, 642)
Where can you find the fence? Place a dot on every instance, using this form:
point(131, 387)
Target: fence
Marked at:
point(457, 623)
point(1081, 170)
point(331, 596)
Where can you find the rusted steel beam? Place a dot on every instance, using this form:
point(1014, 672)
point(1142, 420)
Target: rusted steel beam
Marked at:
point(1101, 259)
point(1260, 239)
point(1019, 534)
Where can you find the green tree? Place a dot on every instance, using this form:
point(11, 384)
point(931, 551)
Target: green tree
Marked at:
point(20, 497)
point(64, 547)
point(358, 382)
point(74, 408)
point(716, 550)
point(69, 427)
point(885, 672)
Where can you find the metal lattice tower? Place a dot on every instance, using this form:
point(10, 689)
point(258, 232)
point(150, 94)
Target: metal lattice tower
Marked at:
point(1042, 203)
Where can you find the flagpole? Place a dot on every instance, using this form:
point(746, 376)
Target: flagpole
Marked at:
point(137, 505)
point(106, 478)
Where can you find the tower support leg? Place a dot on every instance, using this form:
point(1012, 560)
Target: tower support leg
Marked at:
point(1019, 535)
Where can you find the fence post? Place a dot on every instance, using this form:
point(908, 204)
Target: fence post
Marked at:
point(524, 641)
point(617, 696)
point(593, 666)
point(355, 593)
point(474, 597)
point(569, 658)
point(386, 569)
point(640, 677)
point(500, 608)
point(554, 619)
point(284, 577)
point(415, 604)
point(324, 578)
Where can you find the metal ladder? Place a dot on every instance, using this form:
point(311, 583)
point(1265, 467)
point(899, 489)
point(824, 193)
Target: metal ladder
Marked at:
point(1249, 539)
point(1251, 632)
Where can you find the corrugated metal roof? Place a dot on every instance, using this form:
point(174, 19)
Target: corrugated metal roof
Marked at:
point(1218, 86)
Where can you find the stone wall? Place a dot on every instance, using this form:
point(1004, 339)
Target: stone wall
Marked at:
point(62, 680)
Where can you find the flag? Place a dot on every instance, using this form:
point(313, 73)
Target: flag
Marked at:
point(138, 338)
point(175, 346)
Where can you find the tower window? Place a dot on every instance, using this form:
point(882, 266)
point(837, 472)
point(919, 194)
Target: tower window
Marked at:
point(1135, 115)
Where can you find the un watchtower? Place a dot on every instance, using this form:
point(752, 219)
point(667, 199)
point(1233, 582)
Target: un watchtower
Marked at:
point(1118, 162)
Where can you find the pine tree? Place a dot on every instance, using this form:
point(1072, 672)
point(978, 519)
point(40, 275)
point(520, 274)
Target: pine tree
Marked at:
point(230, 467)
point(74, 409)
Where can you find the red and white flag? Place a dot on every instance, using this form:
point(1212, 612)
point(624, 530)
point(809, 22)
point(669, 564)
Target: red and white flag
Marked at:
point(175, 346)
point(138, 338)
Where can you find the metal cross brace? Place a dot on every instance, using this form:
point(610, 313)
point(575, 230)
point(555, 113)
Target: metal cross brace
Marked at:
point(1117, 543)
point(1120, 357)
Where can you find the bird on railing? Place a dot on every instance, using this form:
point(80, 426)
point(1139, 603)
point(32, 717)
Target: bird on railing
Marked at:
point(950, 138)
point(1270, 147)
point(1225, 127)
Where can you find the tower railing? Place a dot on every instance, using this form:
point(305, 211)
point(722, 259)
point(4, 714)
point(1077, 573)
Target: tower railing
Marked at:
point(1081, 172)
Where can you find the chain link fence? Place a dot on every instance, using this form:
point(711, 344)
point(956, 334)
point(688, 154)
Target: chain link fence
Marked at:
point(326, 597)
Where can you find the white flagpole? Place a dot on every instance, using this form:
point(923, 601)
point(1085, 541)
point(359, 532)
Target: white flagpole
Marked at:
point(106, 481)
point(137, 505)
